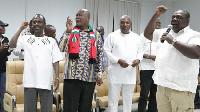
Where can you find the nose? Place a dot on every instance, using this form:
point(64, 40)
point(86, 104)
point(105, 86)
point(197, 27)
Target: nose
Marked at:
point(126, 24)
point(175, 18)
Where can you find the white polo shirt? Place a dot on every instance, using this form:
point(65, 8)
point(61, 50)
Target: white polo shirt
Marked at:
point(39, 55)
point(173, 69)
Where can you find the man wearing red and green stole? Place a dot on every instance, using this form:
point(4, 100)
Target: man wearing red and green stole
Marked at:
point(83, 67)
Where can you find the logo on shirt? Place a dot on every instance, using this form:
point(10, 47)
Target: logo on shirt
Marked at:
point(31, 40)
point(45, 41)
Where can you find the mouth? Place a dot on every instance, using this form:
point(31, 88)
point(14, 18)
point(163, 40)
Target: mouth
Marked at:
point(77, 21)
point(36, 29)
point(174, 25)
point(125, 28)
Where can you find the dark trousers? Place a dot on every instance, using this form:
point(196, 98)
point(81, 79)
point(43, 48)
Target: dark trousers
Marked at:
point(147, 88)
point(77, 95)
point(197, 98)
point(31, 96)
point(2, 89)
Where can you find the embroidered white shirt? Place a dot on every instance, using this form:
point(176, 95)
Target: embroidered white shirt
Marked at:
point(39, 55)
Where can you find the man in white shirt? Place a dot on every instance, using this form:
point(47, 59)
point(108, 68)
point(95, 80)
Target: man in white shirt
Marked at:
point(147, 67)
point(20, 52)
point(177, 62)
point(40, 57)
point(123, 49)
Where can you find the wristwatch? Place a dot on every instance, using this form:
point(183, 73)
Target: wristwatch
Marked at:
point(174, 41)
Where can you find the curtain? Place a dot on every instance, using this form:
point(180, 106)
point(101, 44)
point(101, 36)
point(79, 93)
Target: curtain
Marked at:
point(107, 13)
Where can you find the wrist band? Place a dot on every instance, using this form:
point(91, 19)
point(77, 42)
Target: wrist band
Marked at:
point(174, 41)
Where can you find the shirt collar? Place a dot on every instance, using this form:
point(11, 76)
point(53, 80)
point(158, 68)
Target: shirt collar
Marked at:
point(184, 30)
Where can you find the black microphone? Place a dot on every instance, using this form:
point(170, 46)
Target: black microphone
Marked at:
point(169, 27)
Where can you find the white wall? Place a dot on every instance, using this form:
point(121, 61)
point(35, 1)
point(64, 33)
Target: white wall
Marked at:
point(148, 8)
point(193, 6)
point(55, 12)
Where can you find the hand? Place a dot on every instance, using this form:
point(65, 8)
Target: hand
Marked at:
point(99, 81)
point(56, 84)
point(123, 63)
point(166, 36)
point(4, 46)
point(135, 62)
point(161, 9)
point(24, 25)
point(152, 57)
point(69, 25)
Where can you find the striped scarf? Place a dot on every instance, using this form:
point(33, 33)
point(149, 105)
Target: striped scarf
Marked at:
point(74, 44)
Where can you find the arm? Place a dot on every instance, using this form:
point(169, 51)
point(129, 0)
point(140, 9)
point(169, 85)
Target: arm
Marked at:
point(69, 25)
point(63, 42)
point(108, 46)
point(189, 50)
point(148, 32)
point(56, 70)
point(4, 46)
point(148, 56)
point(64, 39)
point(14, 39)
point(99, 67)
point(17, 51)
point(56, 57)
point(139, 55)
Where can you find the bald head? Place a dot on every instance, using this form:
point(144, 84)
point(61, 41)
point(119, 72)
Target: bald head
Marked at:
point(39, 16)
point(82, 19)
point(86, 12)
point(100, 29)
point(50, 31)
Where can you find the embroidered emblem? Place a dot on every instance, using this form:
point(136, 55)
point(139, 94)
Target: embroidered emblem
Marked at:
point(74, 39)
point(31, 40)
point(45, 41)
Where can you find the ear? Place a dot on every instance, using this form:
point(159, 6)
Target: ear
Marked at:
point(188, 20)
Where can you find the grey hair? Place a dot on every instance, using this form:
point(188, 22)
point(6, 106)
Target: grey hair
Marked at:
point(125, 16)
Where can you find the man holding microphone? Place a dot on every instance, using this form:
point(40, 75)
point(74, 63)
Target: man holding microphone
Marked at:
point(177, 62)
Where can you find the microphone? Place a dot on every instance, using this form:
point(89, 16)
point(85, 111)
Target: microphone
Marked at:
point(169, 27)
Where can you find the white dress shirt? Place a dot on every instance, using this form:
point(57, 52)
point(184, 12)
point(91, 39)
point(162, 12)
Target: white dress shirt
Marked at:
point(122, 46)
point(149, 48)
point(173, 69)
